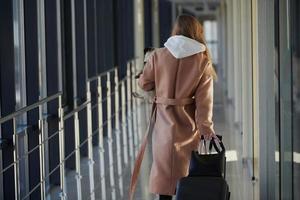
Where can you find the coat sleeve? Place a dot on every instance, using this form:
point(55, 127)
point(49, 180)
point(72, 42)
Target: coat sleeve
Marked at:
point(146, 80)
point(204, 103)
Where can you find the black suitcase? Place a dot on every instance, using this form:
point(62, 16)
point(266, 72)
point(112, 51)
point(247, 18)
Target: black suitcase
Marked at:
point(206, 179)
point(202, 188)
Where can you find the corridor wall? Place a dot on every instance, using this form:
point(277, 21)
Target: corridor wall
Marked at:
point(261, 68)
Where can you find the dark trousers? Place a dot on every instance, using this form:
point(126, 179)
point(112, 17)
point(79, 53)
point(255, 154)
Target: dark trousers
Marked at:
point(165, 197)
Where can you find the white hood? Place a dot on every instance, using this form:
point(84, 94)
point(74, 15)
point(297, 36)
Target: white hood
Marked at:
point(181, 46)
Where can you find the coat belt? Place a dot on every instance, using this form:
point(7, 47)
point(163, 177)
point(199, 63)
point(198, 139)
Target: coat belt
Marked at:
point(140, 155)
point(174, 102)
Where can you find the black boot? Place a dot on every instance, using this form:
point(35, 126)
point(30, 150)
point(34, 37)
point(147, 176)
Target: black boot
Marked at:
point(165, 197)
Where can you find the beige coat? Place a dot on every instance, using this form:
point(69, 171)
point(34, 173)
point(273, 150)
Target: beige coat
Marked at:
point(176, 129)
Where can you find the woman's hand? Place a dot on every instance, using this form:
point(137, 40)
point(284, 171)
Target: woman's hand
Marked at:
point(211, 136)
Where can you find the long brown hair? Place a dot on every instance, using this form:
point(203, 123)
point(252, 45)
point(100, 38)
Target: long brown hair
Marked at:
point(190, 27)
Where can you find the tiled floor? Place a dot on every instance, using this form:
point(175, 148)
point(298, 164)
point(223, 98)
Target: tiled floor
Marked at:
point(237, 173)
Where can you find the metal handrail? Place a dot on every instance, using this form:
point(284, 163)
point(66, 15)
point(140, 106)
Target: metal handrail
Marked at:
point(95, 132)
point(28, 108)
point(28, 153)
point(67, 157)
point(79, 108)
point(55, 96)
point(113, 90)
point(93, 78)
point(112, 93)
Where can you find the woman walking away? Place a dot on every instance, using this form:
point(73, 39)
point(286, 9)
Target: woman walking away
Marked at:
point(182, 76)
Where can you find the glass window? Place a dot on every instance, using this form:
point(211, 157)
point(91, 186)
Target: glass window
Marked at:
point(287, 101)
point(211, 36)
point(276, 90)
point(295, 45)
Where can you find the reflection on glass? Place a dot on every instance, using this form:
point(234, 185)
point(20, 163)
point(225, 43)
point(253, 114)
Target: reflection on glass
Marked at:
point(295, 15)
point(91, 178)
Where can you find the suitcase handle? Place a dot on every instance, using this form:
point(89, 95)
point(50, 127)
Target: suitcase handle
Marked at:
point(212, 143)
